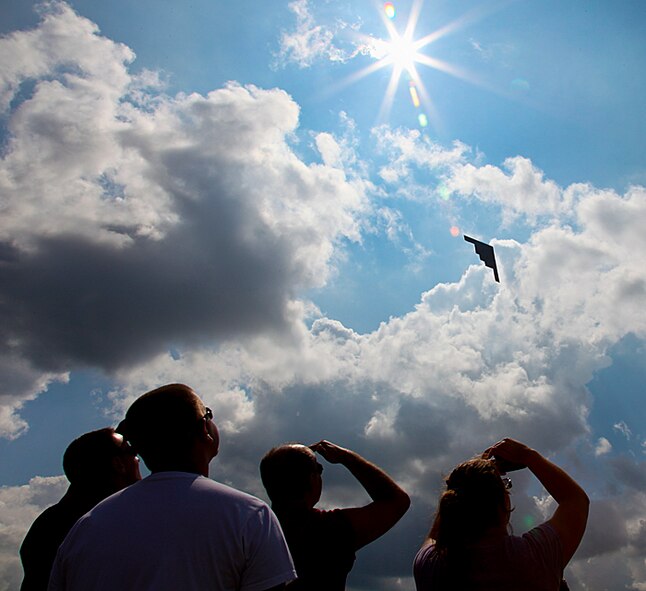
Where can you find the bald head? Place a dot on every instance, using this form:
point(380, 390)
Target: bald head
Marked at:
point(165, 424)
point(287, 471)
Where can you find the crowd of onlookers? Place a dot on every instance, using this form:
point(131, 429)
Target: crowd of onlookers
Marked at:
point(179, 530)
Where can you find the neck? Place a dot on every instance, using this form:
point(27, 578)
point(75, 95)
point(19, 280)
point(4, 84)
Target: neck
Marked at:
point(494, 533)
point(191, 467)
point(89, 496)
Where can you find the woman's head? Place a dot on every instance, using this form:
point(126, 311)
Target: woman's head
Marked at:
point(475, 501)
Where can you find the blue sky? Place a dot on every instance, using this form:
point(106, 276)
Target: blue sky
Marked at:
point(212, 193)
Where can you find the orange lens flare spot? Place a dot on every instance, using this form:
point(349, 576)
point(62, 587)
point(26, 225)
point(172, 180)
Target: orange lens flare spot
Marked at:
point(414, 95)
point(455, 231)
point(389, 9)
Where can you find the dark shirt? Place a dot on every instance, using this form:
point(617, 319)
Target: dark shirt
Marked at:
point(531, 562)
point(322, 545)
point(46, 534)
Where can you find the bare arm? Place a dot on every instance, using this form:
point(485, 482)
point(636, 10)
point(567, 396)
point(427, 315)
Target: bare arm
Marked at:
point(571, 515)
point(389, 501)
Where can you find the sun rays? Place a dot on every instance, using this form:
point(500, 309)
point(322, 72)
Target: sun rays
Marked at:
point(403, 53)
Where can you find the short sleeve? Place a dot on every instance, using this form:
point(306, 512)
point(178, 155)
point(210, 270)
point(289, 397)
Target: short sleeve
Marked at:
point(422, 566)
point(268, 561)
point(545, 546)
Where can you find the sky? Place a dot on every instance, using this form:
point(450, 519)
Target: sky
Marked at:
point(267, 201)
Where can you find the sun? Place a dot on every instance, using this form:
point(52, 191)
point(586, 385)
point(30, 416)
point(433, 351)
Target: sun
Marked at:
point(402, 52)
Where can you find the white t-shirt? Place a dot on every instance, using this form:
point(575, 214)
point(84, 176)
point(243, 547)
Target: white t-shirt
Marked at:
point(174, 531)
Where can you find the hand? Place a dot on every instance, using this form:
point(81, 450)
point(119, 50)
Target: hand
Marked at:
point(509, 455)
point(330, 451)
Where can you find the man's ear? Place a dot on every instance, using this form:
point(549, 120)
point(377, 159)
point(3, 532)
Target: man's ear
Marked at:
point(204, 431)
point(208, 435)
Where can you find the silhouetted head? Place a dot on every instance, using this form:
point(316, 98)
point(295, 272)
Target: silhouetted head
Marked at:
point(475, 502)
point(291, 474)
point(100, 460)
point(171, 429)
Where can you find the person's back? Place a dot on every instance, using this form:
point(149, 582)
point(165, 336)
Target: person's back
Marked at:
point(182, 530)
point(469, 546)
point(97, 464)
point(531, 562)
point(323, 543)
point(176, 529)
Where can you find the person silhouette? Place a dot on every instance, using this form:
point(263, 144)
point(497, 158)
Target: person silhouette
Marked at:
point(177, 528)
point(469, 546)
point(96, 464)
point(323, 543)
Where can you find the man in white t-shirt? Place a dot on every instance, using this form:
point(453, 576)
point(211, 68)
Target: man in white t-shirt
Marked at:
point(176, 529)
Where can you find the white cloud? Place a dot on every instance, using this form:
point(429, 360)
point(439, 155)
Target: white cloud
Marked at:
point(118, 203)
point(19, 506)
point(66, 43)
point(21, 381)
point(330, 39)
point(410, 149)
point(603, 447)
point(474, 361)
point(309, 42)
point(189, 221)
point(622, 428)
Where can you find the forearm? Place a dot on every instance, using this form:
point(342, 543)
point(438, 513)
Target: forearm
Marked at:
point(571, 515)
point(374, 480)
point(556, 481)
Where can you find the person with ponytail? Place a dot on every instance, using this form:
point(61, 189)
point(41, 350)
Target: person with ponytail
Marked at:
point(470, 546)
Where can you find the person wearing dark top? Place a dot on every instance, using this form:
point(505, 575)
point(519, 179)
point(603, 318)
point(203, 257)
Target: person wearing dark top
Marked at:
point(96, 464)
point(470, 546)
point(323, 543)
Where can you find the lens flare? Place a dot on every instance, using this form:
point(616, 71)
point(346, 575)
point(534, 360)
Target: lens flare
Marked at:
point(444, 192)
point(519, 84)
point(455, 231)
point(389, 9)
point(423, 120)
point(529, 521)
point(413, 94)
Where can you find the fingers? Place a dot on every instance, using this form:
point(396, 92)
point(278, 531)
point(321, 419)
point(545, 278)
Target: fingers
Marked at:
point(329, 451)
point(320, 446)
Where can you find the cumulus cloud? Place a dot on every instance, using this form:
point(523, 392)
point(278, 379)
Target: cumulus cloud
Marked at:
point(19, 506)
point(472, 362)
point(171, 239)
point(518, 187)
point(132, 220)
point(603, 447)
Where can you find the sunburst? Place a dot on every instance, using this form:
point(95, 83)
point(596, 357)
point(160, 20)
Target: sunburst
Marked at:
point(403, 52)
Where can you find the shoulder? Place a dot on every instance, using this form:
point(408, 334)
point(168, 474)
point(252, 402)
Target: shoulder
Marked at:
point(540, 545)
point(231, 496)
point(424, 554)
point(544, 534)
point(427, 565)
point(334, 518)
